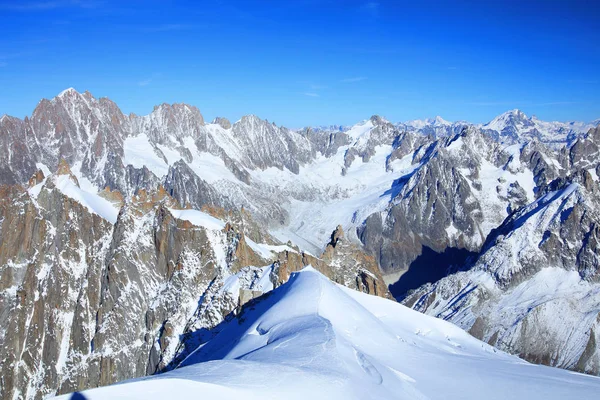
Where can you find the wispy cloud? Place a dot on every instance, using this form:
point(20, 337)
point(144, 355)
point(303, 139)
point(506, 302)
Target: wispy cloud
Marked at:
point(32, 6)
point(452, 68)
point(169, 28)
point(317, 87)
point(494, 103)
point(584, 81)
point(309, 94)
point(371, 8)
point(355, 79)
point(148, 81)
point(556, 103)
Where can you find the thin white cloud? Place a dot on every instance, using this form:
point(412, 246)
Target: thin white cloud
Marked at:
point(31, 6)
point(584, 81)
point(495, 103)
point(371, 8)
point(149, 80)
point(354, 79)
point(556, 103)
point(169, 28)
point(311, 94)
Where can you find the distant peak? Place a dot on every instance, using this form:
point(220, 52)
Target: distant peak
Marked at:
point(515, 111)
point(176, 107)
point(250, 118)
point(223, 122)
point(441, 121)
point(68, 91)
point(378, 119)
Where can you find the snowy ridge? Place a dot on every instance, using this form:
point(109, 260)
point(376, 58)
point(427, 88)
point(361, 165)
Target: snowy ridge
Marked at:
point(298, 343)
point(198, 218)
point(515, 126)
point(90, 200)
point(533, 289)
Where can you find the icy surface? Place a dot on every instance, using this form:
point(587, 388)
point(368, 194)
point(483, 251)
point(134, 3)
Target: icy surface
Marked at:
point(313, 339)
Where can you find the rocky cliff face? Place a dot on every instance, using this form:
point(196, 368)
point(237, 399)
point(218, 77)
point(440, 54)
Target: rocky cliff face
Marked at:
point(533, 290)
point(88, 302)
point(462, 187)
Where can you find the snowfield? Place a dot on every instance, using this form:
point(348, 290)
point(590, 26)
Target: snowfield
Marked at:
point(311, 338)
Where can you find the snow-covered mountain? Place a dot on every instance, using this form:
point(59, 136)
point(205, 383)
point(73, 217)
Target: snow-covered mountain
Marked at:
point(510, 127)
point(514, 126)
point(435, 127)
point(151, 219)
point(534, 288)
point(312, 339)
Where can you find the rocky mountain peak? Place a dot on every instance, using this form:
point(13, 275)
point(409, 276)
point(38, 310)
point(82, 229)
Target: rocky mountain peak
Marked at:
point(378, 120)
point(176, 111)
point(250, 119)
point(222, 122)
point(68, 92)
point(439, 121)
point(64, 169)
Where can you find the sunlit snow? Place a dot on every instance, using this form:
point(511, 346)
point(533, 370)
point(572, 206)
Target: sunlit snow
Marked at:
point(313, 339)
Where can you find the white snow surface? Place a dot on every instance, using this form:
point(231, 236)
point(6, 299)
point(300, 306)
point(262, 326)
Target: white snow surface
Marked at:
point(139, 153)
point(198, 218)
point(268, 251)
point(92, 201)
point(311, 338)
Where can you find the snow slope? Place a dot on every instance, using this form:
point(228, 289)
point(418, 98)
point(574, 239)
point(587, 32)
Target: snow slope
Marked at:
point(89, 199)
point(313, 339)
point(198, 218)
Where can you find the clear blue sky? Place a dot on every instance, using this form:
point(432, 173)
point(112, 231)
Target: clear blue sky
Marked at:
point(308, 62)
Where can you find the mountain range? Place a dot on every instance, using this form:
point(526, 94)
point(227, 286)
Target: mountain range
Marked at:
point(172, 226)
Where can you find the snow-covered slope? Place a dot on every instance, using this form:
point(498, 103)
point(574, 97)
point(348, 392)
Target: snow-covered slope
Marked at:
point(313, 339)
point(534, 289)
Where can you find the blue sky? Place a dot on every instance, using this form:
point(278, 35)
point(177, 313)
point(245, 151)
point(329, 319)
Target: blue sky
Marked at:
point(308, 62)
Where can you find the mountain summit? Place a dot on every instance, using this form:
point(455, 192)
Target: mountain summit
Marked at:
point(311, 338)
